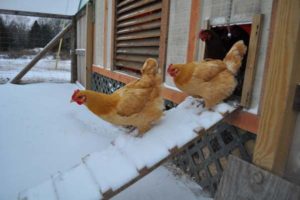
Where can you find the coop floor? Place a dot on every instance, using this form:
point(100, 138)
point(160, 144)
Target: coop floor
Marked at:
point(42, 133)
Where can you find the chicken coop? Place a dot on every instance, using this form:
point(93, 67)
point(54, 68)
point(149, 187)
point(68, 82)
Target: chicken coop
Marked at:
point(115, 37)
point(253, 152)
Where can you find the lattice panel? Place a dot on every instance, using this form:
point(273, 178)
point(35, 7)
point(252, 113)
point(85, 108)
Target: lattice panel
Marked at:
point(206, 158)
point(104, 84)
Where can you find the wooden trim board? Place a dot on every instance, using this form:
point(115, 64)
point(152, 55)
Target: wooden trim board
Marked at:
point(89, 43)
point(163, 35)
point(194, 30)
point(256, 28)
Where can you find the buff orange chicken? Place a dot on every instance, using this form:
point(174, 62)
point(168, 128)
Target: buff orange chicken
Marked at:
point(212, 80)
point(138, 104)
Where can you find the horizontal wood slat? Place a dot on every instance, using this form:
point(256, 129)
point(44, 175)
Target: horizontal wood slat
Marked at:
point(141, 35)
point(139, 43)
point(135, 5)
point(137, 32)
point(139, 51)
point(143, 27)
point(140, 59)
point(128, 64)
point(140, 20)
point(141, 11)
point(126, 2)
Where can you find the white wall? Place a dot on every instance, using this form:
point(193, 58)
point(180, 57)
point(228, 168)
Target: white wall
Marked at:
point(179, 26)
point(99, 34)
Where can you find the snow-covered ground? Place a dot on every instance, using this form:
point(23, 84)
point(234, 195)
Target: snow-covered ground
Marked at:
point(42, 133)
point(43, 71)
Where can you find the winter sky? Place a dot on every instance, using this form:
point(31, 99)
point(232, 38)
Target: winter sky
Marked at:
point(65, 7)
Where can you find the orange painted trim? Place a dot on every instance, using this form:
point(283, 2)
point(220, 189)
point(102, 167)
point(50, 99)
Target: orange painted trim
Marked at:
point(113, 75)
point(194, 29)
point(241, 119)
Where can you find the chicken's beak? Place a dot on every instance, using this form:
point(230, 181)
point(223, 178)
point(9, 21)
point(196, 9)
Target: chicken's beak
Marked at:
point(71, 101)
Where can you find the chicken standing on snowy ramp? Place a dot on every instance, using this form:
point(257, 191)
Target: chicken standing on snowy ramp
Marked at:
point(212, 80)
point(137, 104)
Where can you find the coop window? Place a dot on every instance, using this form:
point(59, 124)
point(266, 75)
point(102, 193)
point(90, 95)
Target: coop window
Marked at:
point(139, 33)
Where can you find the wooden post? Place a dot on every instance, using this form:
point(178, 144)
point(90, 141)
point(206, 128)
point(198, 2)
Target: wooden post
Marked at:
point(163, 35)
point(194, 31)
point(89, 43)
point(278, 118)
point(48, 47)
point(73, 53)
point(105, 33)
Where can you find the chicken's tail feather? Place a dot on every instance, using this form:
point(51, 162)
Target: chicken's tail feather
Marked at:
point(234, 57)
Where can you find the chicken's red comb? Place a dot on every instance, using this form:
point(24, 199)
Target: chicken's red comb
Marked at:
point(169, 68)
point(75, 93)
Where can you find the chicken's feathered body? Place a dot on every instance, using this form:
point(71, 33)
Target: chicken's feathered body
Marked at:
point(212, 80)
point(137, 104)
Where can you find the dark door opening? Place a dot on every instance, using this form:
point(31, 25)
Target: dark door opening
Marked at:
point(220, 40)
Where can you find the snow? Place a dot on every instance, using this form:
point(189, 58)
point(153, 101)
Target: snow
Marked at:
point(43, 191)
point(208, 118)
point(43, 71)
point(42, 133)
point(143, 152)
point(77, 177)
point(120, 172)
point(223, 108)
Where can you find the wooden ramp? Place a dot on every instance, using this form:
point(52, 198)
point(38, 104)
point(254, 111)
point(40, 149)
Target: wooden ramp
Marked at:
point(101, 175)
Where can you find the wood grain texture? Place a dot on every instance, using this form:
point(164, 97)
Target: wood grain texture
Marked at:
point(194, 30)
point(163, 35)
point(278, 118)
point(113, 36)
point(244, 181)
point(89, 44)
point(253, 50)
point(141, 11)
point(140, 20)
point(105, 33)
point(244, 120)
point(267, 62)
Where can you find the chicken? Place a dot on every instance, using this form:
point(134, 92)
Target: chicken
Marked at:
point(138, 104)
point(212, 80)
point(219, 40)
point(214, 48)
